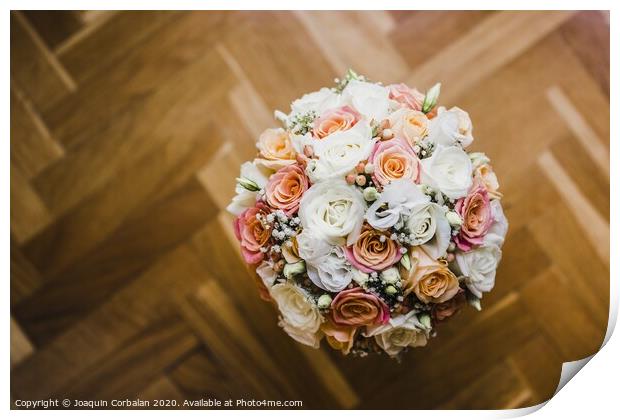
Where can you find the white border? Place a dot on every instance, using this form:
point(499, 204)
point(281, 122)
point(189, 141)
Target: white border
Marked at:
point(593, 394)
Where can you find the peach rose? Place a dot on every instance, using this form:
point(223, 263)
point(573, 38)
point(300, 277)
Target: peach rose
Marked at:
point(394, 159)
point(484, 173)
point(444, 310)
point(336, 119)
point(409, 124)
point(339, 337)
point(275, 149)
point(251, 233)
point(403, 94)
point(355, 307)
point(430, 279)
point(475, 211)
point(285, 188)
point(369, 253)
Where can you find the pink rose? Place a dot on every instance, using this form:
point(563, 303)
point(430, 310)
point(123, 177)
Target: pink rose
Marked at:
point(475, 210)
point(370, 254)
point(403, 94)
point(394, 159)
point(335, 119)
point(355, 307)
point(285, 188)
point(251, 233)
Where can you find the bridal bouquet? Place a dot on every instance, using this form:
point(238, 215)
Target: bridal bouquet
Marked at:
point(366, 220)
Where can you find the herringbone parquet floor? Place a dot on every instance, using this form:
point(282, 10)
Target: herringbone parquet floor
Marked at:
point(127, 130)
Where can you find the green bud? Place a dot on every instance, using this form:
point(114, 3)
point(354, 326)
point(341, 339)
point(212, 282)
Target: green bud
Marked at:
point(430, 100)
point(291, 270)
point(406, 262)
point(324, 301)
point(474, 301)
point(425, 320)
point(370, 194)
point(248, 184)
point(391, 290)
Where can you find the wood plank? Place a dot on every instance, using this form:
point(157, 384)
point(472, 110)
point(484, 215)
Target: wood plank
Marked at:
point(162, 388)
point(135, 245)
point(498, 388)
point(28, 212)
point(136, 363)
point(418, 35)
point(34, 68)
point(488, 46)
point(21, 347)
point(178, 41)
point(288, 73)
point(588, 35)
point(131, 191)
point(32, 146)
point(107, 39)
point(540, 364)
point(25, 278)
point(577, 336)
point(341, 45)
point(139, 304)
point(201, 375)
point(175, 111)
point(54, 26)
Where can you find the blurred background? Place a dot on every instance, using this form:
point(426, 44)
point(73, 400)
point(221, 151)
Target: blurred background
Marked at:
point(127, 132)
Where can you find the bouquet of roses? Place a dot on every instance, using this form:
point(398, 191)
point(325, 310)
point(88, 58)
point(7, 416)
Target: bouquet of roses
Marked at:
point(366, 220)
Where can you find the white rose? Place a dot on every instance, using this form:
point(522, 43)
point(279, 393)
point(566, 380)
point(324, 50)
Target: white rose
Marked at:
point(267, 274)
point(479, 266)
point(318, 102)
point(499, 228)
point(246, 198)
point(396, 200)
point(449, 169)
point(333, 211)
point(326, 264)
point(430, 228)
point(369, 99)
point(300, 317)
point(451, 127)
point(339, 153)
point(400, 332)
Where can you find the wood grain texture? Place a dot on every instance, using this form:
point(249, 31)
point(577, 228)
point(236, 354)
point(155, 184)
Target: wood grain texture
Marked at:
point(128, 129)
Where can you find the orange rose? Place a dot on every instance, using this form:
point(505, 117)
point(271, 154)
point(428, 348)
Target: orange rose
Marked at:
point(394, 159)
point(355, 307)
point(339, 337)
point(333, 120)
point(431, 280)
point(285, 188)
point(370, 253)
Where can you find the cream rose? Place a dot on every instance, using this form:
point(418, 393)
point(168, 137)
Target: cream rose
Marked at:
point(430, 279)
point(448, 169)
point(340, 152)
point(400, 332)
point(428, 226)
point(275, 149)
point(409, 124)
point(479, 267)
point(334, 211)
point(451, 127)
point(370, 99)
point(300, 317)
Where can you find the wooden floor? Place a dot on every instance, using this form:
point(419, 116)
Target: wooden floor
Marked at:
point(127, 131)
